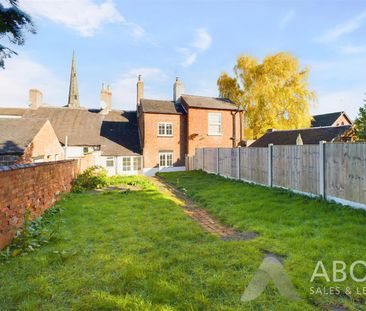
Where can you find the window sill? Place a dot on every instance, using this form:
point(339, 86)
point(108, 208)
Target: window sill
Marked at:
point(209, 134)
point(165, 135)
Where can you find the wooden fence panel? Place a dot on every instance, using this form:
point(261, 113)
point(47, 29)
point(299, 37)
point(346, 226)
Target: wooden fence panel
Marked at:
point(228, 162)
point(210, 160)
point(225, 162)
point(296, 167)
point(198, 159)
point(189, 163)
point(254, 165)
point(345, 171)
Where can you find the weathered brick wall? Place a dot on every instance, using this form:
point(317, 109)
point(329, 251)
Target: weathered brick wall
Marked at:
point(197, 132)
point(153, 143)
point(33, 188)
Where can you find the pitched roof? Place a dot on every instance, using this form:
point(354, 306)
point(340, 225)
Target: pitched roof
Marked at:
point(327, 119)
point(309, 136)
point(116, 132)
point(17, 134)
point(208, 102)
point(16, 112)
point(119, 134)
point(81, 126)
point(161, 106)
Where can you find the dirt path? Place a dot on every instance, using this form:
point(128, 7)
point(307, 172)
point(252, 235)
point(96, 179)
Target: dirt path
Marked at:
point(200, 215)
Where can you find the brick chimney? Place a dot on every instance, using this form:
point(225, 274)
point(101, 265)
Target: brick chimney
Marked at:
point(140, 90)
point(35, 98)
point(177, 89)
point(106, 99)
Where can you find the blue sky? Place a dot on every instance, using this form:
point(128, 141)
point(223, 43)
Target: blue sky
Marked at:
point(114, 41)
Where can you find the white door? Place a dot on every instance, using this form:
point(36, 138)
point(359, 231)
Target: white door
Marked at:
point(131, 165)
point(110, 164)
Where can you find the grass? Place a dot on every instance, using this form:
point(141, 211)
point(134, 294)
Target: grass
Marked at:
point(139, 251)
point(301, 229)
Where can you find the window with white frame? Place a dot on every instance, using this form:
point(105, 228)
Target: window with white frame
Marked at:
point(137, 163)
point(166, 159)
point(214, 123)
point(109, 162)
point(126, 164)
point(165, 129)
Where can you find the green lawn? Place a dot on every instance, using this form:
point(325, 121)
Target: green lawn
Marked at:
point(139, 251)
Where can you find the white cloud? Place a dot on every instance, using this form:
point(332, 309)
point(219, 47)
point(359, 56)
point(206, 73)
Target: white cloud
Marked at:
point(189, 56)
point(203, 40)
point(287, 19)
point(343, 29)
point(22, 74)
point(124, 89)
point(84, 16)
point(353, 49)
point(201, 43)
point(349, 100)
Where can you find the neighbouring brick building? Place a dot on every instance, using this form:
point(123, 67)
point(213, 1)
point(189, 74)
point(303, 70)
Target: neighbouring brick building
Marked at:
point(24, 140)
point(331, 119)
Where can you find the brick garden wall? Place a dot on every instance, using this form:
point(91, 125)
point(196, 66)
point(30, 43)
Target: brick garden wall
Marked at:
point(33, 188)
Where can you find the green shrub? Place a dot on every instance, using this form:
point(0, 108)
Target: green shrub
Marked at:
point(94, 177)
point(34, 233)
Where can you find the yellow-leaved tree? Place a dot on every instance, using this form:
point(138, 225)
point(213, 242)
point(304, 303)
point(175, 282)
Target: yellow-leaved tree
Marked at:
point(274, 94)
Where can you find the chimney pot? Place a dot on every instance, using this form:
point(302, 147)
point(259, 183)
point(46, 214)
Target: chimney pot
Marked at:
point(140, 90)
point(177, 89)
point(106, 98)
point(35, 98)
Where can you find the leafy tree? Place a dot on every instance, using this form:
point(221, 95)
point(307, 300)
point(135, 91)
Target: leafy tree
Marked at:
point(273, 94)
point(360, 123)
point(13, 23)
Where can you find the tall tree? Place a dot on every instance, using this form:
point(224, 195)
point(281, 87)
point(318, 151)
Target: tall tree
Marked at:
point(273, 94)
point(360, 123)
point(13, 24)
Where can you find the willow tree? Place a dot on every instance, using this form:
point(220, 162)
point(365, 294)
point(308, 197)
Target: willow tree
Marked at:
point(274, 94)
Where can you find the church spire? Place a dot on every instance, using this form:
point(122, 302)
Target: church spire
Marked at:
point(73, 90)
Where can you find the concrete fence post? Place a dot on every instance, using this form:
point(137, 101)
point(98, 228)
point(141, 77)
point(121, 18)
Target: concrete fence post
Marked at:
point(238, 163)
point(322, 168)
point(270, 165)
point(218, 161)
point(203, 159)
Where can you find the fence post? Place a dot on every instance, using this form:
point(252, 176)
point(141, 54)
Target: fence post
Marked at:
point(270, 165)
point(322, 168)
point(218, 160)
point(203, 159)
point(238, 162)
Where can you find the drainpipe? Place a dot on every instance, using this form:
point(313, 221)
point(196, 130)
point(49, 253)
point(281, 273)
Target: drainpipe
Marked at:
point(65, 148)
point(234, 126)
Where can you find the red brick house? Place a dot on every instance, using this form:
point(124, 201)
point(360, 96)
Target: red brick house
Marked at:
point(169, 130)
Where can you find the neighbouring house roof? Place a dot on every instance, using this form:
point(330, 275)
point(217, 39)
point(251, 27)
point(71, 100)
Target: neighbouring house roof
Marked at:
point(81, 126)
point(161, 106)
point(309, 136)
point(119, 134)
point(116, 132)
point(16, 112)
point(17, 134)
point(208, 102)
point(327, 119)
